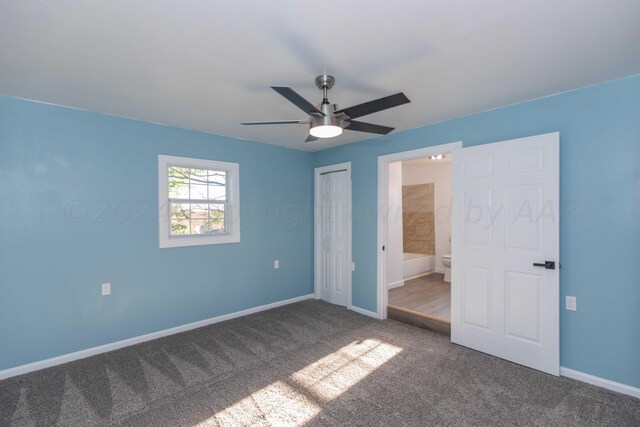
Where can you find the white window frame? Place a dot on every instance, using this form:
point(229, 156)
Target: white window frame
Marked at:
point(232, 211)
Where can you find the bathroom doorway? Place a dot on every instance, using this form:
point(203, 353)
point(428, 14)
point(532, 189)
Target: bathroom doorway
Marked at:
point(420, 216)
point(504, 297)
point(417, 237)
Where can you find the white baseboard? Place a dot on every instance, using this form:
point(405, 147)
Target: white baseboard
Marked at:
point(600, 382)
point(65, 358)
point(395, 284)
point(363, 311)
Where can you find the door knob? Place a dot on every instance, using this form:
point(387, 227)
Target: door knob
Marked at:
point(549, 265)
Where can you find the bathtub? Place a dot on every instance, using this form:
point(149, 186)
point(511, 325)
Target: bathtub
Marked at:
point(417, 264)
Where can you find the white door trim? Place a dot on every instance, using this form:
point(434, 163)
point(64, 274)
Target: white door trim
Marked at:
point(383, 183)
point(316, 227)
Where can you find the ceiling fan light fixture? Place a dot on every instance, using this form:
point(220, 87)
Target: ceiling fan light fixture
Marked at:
point(325, 131)
point(327, 126)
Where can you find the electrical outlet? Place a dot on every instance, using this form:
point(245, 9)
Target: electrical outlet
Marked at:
point(276, 264)
point(353, 266)
point(571, 303)
point(106, 289)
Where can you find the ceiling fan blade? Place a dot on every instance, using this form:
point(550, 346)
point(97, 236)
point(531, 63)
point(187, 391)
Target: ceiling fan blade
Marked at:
point(298, 100)
point(375, 105)
point(278, 122)
point(311, 138)
point(367, 127)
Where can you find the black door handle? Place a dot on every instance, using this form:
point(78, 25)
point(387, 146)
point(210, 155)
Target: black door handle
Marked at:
point(549, 265)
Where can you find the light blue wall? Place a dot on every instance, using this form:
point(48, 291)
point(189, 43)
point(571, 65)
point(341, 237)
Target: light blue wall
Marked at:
point(54, 161)
point(600, 220)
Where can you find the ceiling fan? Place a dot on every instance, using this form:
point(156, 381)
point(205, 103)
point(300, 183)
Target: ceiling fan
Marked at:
point(327, 121)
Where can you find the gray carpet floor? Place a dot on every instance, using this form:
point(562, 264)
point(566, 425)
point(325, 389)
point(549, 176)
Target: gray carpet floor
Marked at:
point(309, 363)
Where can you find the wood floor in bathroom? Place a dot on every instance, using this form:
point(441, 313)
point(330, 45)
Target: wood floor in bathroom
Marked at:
point(429, 295)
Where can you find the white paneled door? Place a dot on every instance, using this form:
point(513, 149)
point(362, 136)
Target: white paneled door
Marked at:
point(334, 210)
point(505, 250)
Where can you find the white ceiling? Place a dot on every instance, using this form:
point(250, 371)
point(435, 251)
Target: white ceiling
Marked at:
point(208, 65)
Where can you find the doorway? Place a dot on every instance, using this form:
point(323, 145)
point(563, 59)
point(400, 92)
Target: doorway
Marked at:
point(418, 249)
point(386, 173)
point(504, 247)
point(333, 265)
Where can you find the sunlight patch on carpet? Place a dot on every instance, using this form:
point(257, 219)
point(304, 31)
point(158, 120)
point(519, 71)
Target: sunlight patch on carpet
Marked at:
point(275, 404)
point(336, 373)
point(310, 387)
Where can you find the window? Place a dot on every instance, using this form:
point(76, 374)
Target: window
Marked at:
point(199, 201)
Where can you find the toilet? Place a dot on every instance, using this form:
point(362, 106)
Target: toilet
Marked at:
point(446, 261)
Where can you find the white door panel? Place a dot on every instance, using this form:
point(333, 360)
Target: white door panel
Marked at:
point(505, 219)
point(333, 221)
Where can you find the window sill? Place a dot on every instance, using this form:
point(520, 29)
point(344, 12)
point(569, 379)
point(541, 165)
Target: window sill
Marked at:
point(177, 242)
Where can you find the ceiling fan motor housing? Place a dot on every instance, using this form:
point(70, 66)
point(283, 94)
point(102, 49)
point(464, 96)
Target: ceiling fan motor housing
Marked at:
point(325, 81)
point(329, 118)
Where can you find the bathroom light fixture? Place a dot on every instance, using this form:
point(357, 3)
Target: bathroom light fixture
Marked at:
point(437, 157)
